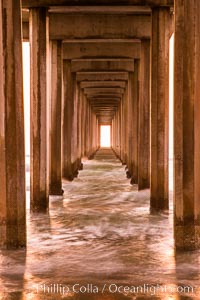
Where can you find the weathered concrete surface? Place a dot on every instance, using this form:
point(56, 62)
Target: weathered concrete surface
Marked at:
point(103, 90)
point(159, 108)
point(187, 125)
point(25, 35)
point(12, 154)
point(101, 76)
point(111, 64)
point(55, 176)
point(38, 145)
point(47, 3)
point(71, 159)
point(144, 118)
point(74, 134)
point(73, 49)
point(120, 84)
point(80, 26)
point(130, 124)
point(134, 123)
point(102, 9)
point(68, 111)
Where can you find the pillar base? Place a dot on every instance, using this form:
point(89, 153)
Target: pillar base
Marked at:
point(128, 174)
point(158, 204)
point(68, 173)
point(12, 236)
point(133, 181)
point(68, 177)
point(91, 155)
point(81, 167)
point(56, 191)
point(187, 238)
point(143, 185)
point(41, 204)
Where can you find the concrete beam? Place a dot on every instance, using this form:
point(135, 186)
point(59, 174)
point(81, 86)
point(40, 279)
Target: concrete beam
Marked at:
point(81, 65)
point(105, 95)
point(104, 99)
point(94, 91)
point(65, 26)
point(100, 48)
point(100, 84)
point(101, 76)
point(48, 3)
point(119, 9)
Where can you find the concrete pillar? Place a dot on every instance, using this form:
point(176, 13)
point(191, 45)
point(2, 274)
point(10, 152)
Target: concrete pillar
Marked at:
point(87, 129)
point(68, 85)
point(187, 125)
point(38, 146)
point(113, 133)
point(144, 118)
point(123, 132)
point(80, 115)
point(130, 123)
point(135, 96)
point(126, 125)
point(118, 132)
point(74, 131)
point(159, 108)
point(121, 129)
point(55, 178)
point(12, 154)
point(83, 117)
point(97, 132)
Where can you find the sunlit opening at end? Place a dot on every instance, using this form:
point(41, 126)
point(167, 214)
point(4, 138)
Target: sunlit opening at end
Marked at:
point(105, 136)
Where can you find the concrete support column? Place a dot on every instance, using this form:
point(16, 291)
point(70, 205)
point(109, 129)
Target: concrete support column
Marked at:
point(55, 178)
point(90, 132)
point(74, 132)
point(130, 124)
point(126, 126)
point(113, 133)
point(38, 49)
point(187, 125)
point(159, 108)
point(97, 131)
point(123, 132)
point(12, 154)
point(83, 118)
point(118, 133)
point(80, 117)
point(87, 129)
point(68, 102)
point(134, 122)
point(93, 141)
point(144, 118)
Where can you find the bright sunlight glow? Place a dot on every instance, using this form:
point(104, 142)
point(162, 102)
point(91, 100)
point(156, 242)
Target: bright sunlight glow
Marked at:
point(105, 135)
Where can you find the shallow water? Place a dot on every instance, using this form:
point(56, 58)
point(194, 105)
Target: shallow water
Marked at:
point(101, 236)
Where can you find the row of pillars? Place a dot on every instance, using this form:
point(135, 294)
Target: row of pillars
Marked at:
point(131, 130)
point(63, 127)
point(146, 156)
point(144, 115)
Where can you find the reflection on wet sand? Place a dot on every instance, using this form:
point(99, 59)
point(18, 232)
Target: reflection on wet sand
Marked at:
point(100, 232)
